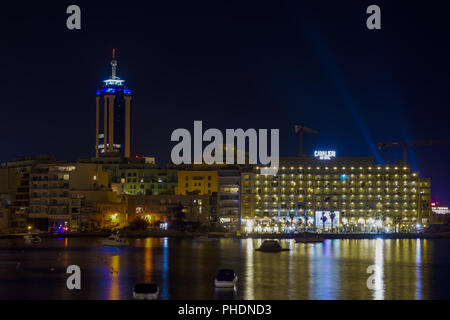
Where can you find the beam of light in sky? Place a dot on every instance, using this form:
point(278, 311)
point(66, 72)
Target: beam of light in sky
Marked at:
point(336, 75)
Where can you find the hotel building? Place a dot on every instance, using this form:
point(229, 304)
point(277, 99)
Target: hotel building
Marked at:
point(346, 194)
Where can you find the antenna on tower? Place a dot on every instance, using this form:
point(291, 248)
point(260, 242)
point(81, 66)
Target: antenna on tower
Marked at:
point(113, 64)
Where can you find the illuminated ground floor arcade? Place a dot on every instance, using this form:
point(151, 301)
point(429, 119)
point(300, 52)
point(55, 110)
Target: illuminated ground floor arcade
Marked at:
point(323, 221)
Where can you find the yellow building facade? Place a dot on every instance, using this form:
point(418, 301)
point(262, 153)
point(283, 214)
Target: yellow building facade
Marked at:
point(197, 182)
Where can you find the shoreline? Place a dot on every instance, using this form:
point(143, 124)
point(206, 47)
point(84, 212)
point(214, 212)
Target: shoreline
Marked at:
point(181, 234)
point(442, 235)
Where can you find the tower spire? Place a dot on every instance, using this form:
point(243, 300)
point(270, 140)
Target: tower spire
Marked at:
point(113, 65)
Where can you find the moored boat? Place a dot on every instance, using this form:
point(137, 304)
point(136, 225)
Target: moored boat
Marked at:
point(32, 238)
point(271, 246)
point(226, 278)
point(115, 240)
point(146, 291)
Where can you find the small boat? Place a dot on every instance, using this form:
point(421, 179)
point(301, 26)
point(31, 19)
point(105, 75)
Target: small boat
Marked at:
point(226, 278)
point(32, 238)
point(146, 291)
point(271, 246)
point(205, 239)
point(115, 240)
point(309, 239)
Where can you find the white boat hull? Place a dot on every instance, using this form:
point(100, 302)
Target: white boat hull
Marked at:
point(225, 284)
point(145, 296)
point(32, 240)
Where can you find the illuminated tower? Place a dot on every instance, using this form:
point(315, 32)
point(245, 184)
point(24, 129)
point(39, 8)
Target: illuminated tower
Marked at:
point(113, 104)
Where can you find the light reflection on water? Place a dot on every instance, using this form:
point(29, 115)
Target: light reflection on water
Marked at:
point(185, 269)
point(419, 295)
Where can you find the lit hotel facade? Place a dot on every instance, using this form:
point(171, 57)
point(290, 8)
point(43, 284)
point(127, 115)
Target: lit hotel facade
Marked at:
point(346, 194)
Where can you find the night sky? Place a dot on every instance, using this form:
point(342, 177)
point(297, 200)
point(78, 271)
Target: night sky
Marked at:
point(264, 64)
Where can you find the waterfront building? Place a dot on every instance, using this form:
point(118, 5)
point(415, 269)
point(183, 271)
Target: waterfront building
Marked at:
point(161, 208)
point(48, 194)
point(113, 114)
point(220, 181)
point(15, 181)
point(113, 211)
point(91, 197)
point(228, 199)
point(5, 203)
point(138, 175)
point(346, 194)
point(440, 214)
point(53, 188)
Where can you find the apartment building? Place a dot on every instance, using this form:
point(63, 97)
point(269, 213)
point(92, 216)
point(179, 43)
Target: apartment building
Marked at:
point(162, 208)
point(197, 182)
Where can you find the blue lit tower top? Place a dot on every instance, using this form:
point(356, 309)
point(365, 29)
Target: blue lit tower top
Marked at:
point(114, 83)
point(113, 103)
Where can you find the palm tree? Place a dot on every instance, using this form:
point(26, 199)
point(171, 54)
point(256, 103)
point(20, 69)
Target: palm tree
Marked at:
point(397, 219)
point(382, 215)
point(305, 220)
point(332, 216)
point(323, 218)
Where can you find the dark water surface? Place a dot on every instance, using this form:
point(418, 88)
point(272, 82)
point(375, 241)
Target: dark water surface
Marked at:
point(185, 269)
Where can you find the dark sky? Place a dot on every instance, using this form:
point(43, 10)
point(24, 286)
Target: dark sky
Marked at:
point(232, 64)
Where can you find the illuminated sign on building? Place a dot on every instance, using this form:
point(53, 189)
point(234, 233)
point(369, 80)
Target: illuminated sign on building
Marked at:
point(325, 155)
point(440, 210)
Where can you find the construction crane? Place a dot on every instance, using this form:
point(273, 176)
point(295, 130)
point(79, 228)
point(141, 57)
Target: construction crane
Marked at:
point(405, 144)
point(300, 129)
